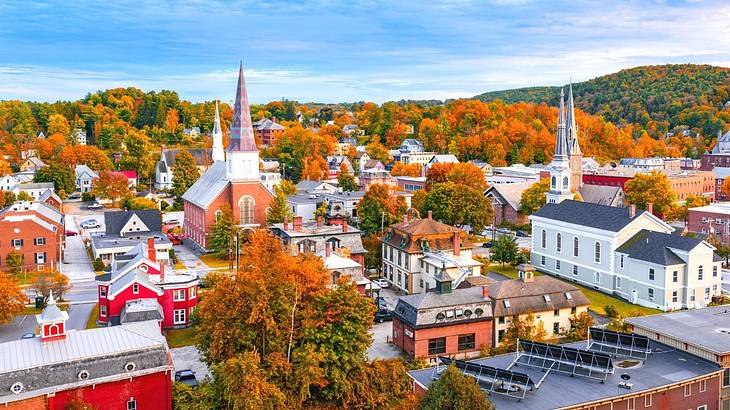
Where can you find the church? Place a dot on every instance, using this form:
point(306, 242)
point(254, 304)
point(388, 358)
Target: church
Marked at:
point(232, 180)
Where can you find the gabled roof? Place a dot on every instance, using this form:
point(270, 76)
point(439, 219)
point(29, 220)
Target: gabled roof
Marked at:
point(84, 171)
point(115, 221)
point(444, 158)
point(511, 193)
point(267, 124)
point(657, 247)
point(601, 194)
point(529, 296)
point(202, 156)
point(425, 226)
point(49, 194)
point(208, 186)
point(590, 215)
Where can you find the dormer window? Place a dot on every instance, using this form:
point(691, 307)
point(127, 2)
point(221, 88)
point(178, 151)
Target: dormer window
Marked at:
point(507, 304)
point(568, 296)
point(546, 297)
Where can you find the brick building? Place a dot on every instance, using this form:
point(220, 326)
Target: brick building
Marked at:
point(719, 156)
point(36, 231)
point(138, 276)
point(234, 183)
point(713, 219)
point(121, 367)
point(506, 200)
point(267, 131)
point(683, 182)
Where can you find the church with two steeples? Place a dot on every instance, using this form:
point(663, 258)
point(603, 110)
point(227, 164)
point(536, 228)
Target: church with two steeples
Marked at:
point(232, 181)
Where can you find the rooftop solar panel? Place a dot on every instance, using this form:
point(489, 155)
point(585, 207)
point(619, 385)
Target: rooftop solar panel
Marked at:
point(492, 379)
point(563, 359)
point(618, 343)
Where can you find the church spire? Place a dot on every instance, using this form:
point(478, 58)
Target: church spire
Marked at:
point(561, 147)
point(242, 137)
point(217, 153)
point(572, 128)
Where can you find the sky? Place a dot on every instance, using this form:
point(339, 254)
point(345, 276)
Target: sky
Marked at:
point(343, 51)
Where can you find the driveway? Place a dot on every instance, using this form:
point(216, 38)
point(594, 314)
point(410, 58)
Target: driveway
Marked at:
point(381, 348)
point(188, 257)
point(188, 357)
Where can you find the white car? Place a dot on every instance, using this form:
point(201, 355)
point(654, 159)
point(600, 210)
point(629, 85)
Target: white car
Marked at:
point(90, 223)
point(382, 282)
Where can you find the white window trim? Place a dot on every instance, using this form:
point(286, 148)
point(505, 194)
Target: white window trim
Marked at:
point(135, 288)
point(102, 292)
point(687, 390)
point(175, 315)
point(193, 293)
point(175, 297)
point(102, 311)
point(648, 400)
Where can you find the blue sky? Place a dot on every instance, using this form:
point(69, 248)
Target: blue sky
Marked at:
point(333, 51)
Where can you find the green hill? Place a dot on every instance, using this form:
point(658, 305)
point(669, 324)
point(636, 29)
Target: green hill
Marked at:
point(658, 98)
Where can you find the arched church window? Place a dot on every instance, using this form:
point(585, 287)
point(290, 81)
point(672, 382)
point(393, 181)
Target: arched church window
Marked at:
point(565, 182)
point(246, 205)
point(552, 181)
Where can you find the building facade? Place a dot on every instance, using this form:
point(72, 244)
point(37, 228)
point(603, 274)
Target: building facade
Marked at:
point(32, 232)
point(712, 220)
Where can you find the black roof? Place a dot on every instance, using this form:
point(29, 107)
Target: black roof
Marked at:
point(115, 221)
point(655, 247)
point(608, 218)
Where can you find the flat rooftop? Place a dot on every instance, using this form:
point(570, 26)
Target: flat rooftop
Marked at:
point(663, 367)
point(708, 328)
point(717, 207)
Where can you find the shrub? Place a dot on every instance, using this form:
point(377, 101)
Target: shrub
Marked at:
point(610, 311)
point(98, 264)
point(88, 196)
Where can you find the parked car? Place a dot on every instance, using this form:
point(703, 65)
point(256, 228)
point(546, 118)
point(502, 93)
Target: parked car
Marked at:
point(380, 303)
point(94, 205)
point(382, 282)
point(383, 315)
point(186, 377)
point(75, 195)
point(487, 244)
point(71, 233)
point(174, 222)
point(90, 223)
point(504, 231)
point(27, 336)
point(523, 234)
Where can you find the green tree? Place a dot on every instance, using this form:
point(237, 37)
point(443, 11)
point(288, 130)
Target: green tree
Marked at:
point(455, 391)
point(579, 325)
point(346, 181)
point(523, 328)
point(321, 211)
point(652, 188)
point(61, 175)
point(14, 260)
point(379, 209)
point(139, 203)
point(458, 205)
point(533, 198)
point(279, 208)
point(504, 250)
point(288, 187)
point(184, 176)
point(24, 196)
point(222, 232)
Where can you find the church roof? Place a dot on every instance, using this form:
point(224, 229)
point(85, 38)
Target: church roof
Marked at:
point(658, 247)
point(601, 194)
point(208, 186)
point(242, 137)
point(608, 218)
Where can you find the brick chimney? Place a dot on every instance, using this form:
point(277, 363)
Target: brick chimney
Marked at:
point(457, 243)
point(429, 214)
point(319, 220)
point(151, 252)
point(485, 292)
point(344, 226)
point(650, 207)
point(162, 271)
point(327, 250)
point(286, 223)
point(297, 223)
point(632, 211)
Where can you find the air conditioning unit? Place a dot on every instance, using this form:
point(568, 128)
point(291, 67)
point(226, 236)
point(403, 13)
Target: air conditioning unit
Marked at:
point(626, 385)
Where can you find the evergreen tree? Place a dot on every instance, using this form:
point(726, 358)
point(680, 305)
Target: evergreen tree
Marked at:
point(222, 232)
point(184, 176)
point(279, 208)
point(346, 181)
point(62, 176)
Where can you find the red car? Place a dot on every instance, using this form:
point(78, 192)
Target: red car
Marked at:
point(71, 233)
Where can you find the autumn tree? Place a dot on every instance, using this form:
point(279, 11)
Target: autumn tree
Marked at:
point(4, 167)
point(288, 187)
point(346, 180)
point(523, 328)
point(378, 208)
point(407, 170)
point(378, 151)
point(381, 384)
point(12, 298)
point(14, 260)
point(244, 385)
point(88, 155)
point(652, 188)
point(579, 325)
point(62, 176)
point(111, 185)
point(314, 167)
point(725, 188)
point(438, 173)
point(48, 282)
point(534, 197)
point(680, 213)
point(455, 391)
point(184, 176)
point(136, 204)
point(467, 174)
point(458, 205)
point(58, 124)
point(222, 232)
point(504, 250)
point(279, 209)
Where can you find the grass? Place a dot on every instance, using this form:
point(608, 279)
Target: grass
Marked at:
point(180, 337)
point(179, 266)
point(27, 278)
point(598, 299)
point(213, 261)
point(91, 321)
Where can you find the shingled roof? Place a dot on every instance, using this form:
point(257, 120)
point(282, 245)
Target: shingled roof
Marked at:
point(529, 296)
point(608, 218)
point(656, 247)
point(408, 236)
point(115, 221)
point(423, 309)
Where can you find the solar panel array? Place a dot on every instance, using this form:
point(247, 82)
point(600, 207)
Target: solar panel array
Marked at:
point(494, 380)
point(563, 359)
point(618, 343)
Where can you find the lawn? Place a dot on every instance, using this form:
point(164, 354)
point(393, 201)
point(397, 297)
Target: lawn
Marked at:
point(598, 299)
point(180, 337)
point(91, 321)
point(27, 278)
point(213, 261)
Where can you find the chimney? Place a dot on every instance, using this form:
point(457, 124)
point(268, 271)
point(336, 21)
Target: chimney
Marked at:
point(457, 243)
point(297, 223)
point(429, 214)
point(327, 250)
point(632, 211)
point(286, 223)
point(162, 272)
point(650, 207)
point(319, 220)
point(344, 226)
point(151, 252)
point(485, 292)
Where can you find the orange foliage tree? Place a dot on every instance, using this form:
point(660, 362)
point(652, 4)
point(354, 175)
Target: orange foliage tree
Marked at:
point(408, 170)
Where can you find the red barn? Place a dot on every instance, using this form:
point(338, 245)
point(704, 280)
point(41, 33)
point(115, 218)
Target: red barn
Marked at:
point(120, 367)
point(139, 281)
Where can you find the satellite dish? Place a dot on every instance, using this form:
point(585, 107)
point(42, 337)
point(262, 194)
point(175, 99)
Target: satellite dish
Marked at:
point(625, 377)
point(613, 165)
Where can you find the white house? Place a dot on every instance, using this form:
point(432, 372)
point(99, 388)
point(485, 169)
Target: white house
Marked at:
point(80, 136)
point(84, 178)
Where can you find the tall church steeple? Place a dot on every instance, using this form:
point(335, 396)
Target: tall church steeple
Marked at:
point(560, 166)
point(242, 161)
point(574, 153)
point(217, 153)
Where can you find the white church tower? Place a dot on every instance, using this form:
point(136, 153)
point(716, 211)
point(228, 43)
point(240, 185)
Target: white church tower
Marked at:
point(560, 166)
point(217, 154)
point(242, 160)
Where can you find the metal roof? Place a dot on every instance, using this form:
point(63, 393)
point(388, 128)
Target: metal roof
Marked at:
point(208, 186)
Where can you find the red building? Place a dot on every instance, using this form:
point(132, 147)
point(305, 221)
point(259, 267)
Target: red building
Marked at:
point(34, 230)
point(713, 219)
point(120, 367)
point(267, 131)
point(234, 183)
point(138, 286)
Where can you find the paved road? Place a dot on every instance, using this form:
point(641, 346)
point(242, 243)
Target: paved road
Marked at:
point(188, 357)
point(381, 348)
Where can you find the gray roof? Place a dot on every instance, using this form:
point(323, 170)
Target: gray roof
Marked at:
point(705, 327)
point(140, 310)
point(511, 193)
point(421, 309)
point(267, 124)
point(115, 221)
point(525, 297)
point(656, 247)
point(602, 194)
point(83, 169)
point(36, 185)
point(561, 390)
point(202, 156)
point(208, 186)
point(304, 198)
point(597, 216)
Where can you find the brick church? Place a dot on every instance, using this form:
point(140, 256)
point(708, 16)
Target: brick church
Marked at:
point(233, 181)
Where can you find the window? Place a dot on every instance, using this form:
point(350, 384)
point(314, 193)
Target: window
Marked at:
point(651, 273)
point(192, 293)
point(246, 206)
point(556, 312)
point(674, 296)
point(556, 328)
point(17, 243)
point(552, 181)
point(573, 310)
point(597, 277)
point(178, 295)
point(691, 295)
point(437, 346)
point(675, 276)
point(565, 182)
point(218, 214)
point(135, 288)
point(543, 239)
point(648, 400)
point(575, 269)
point(179, 316)
point(40, 257)
point(546, 297)
point(102, 291)
point(707, 293)
point(726, 378)
point(102, 311)
point(651, 294)
point(466, 342)
point(714, 271)
point(132, 404)
point(557, 264)
point(501, 320)
point(699, 272)
point(500, 335)
point(618, 282)
point(703, 386)
point(687, 390)
point(622, 261)
point(542, 260)
point(597, 255)
point(39, 241)
point(631, 403)
point(558, 242)
point(507, 304)
point(575, 246)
